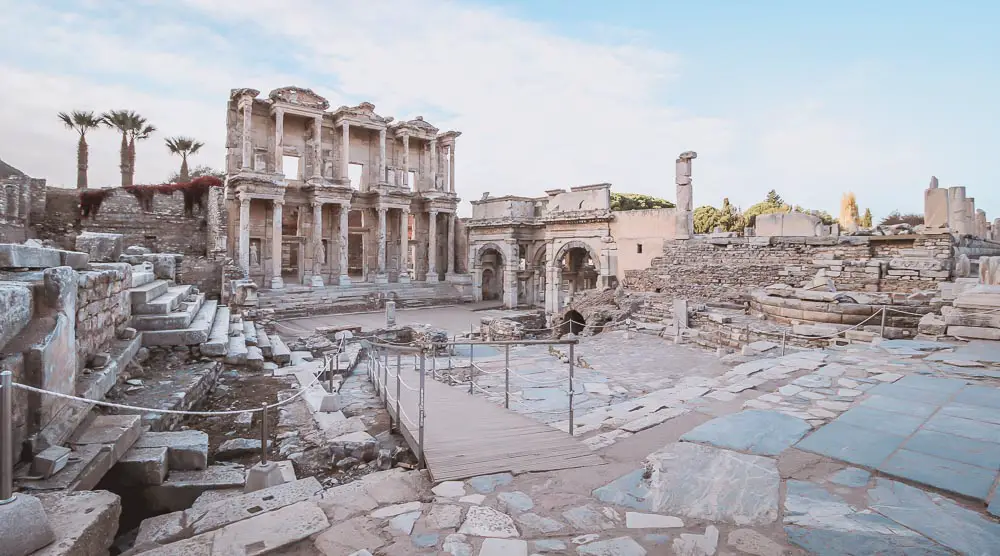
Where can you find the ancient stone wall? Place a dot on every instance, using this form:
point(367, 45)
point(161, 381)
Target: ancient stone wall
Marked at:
point(165, 229)
point(728, 268)
point(103, 308)
point(202, 272)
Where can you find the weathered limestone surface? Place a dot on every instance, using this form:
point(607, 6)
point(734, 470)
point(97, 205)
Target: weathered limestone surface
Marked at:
point(85, 523)
point(103, 248)
point(16, 308)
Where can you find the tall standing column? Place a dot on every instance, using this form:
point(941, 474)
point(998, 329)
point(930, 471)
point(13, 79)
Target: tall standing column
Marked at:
point(279, 139)
point(404, 245)
point(247, 140)
point(345, 152)
point(381, 156)
point(434, 165)
point(318, 148)
point(245, 235)
point(319, 255)
point(449, 265)
point(451, 168)
point(380, 276)
point(406, 162)
point(277, 282)
point(345, 209)
point(432, 275)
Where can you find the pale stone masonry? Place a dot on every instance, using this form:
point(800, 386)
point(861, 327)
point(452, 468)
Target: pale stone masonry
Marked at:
point(323, 197)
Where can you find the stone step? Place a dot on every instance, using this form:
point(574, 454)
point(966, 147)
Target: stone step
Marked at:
point(186, 450)
point(250, 333)
point(170, 388)
point(196, 333)
point(280, 353)
point(255, 358)
point(142, 278)
point(165, 304)
point(236, 353)
point(181, 318)
point(148, 291)
point(85, 523)
point(263, 341)
point(218, 338)
point(182, 488)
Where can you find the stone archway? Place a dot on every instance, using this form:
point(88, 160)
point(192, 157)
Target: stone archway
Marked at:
point(490, 269)
point(572, 323)
point(577, 244)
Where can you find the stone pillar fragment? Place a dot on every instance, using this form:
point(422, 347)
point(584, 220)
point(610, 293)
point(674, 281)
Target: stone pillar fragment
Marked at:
point(318, 148)
point(434, 164)
point(685, 199)
point(319, 256)
point(380, 277)
point(449, 265)
point(277, 282)
point(957, 220)
point(406, 162)
point(936, 209)
point(345, 210)
point(404, 245)
point(432, 274)
point(247, 162)
point(345, 154)
point(279, 139)
point(381, 156)
point(244, 246)
point(451, 167)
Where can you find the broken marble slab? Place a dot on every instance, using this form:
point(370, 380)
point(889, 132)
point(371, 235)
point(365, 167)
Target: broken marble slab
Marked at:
point(758, 432)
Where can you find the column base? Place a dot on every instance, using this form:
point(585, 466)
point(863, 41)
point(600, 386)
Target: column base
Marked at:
point(277, 283)
point(316, 281)
point(381, 278)
point(432, 277)
point(344, 280)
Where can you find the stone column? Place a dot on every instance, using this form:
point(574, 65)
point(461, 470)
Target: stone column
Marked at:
point(406, 162)
point(432, 275)
point(345, 209)
point(404, 245)
point(245, 235)
point(434, 164)
point(277, 282)
point(380, 276)
point(685, 202)
point(279, 135)
point(451, 168)
point(449, 265)
point(318, 153)
point(316, 280)
point(956, 210)
point(345, 155)
point(247, 140)
point(381, 156)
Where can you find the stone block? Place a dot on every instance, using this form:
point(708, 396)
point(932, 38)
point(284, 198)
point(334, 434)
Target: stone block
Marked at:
point(24, 526)
point(142, 466)
point(236, 447)
point(186, 450)
point(16, 309)
point(974, 332)
point(932, 324)
point(86, 523)
point(13, 255)
point(182, 488)
point(359, 445)
point(244, 506)
point(50, 461)
point(103, 248)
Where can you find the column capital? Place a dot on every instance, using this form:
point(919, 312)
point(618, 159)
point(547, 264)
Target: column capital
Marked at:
point(279, 111)
point(433, 212)
point(382, 210)
point(317, 203)
point(278, 202)
point(245, 200)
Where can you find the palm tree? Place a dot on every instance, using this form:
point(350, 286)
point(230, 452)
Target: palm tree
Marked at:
point(139, 129)
point(183, 146)
point(122, 121)
point(81, 122)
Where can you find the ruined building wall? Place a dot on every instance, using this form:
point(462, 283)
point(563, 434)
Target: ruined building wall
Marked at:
point(103, 307)
point(22, 200)
point(640, 236)
point(728, 268)
point(164, 230)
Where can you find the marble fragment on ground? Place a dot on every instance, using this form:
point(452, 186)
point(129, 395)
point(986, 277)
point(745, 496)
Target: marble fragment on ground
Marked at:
point(758, 432)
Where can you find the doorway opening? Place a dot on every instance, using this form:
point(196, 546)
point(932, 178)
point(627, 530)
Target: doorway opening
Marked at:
point(573, 323)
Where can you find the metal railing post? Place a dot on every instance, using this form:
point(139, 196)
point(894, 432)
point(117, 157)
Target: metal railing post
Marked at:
point(263, 434)
point(329, 372)
point(882, 331)
point(420, 417)
point(506, 376)
point(571, 389)
point(399, 416)
point(6, 438)
point(472, 367)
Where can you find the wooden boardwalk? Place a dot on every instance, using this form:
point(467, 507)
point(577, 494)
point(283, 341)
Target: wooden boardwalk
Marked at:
point(466, 436)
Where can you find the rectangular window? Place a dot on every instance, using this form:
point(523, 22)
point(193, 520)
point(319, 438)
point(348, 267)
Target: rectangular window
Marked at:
point(638, 248)
point(413, 180)
point(290, 167)
point(355, 172)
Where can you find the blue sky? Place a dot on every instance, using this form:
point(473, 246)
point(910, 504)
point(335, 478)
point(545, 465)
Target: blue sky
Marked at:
point(812, 100)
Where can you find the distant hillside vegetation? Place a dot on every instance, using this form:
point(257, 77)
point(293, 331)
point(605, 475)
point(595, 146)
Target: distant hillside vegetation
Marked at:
point(636, 201)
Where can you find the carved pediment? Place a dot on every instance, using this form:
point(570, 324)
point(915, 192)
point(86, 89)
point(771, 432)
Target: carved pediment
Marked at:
point(299, 97)
point(240, 93)
point(364, 111)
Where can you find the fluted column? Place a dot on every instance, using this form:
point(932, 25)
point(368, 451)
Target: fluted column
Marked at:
point(345, 152)
point(345, 209)
point(404, 245)
point(434, 164)
point(380, 276)
point(381, 156)
point(279, 139)
point(432, 275)
point(449, 265)
point(316, 280)
point(247, 140)
point(245, 234)
point(318, 147)
point(451, 168)
point(406, 162)
point(277, 282)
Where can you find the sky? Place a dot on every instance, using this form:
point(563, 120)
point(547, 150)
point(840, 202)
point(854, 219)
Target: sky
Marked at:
point(811, 99)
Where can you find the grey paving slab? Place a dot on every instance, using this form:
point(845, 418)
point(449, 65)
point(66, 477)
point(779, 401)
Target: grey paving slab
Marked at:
point(973, 412)
point(976, 430)
point(897, 405)
point(979, 395)
point(936, 517)
point(958, 448)
point(851, 444)
point(934, 384)
point(884, 421)
point(628, 490)
point(953, 476)
point(851, 477)
point(765, 433)
point(827, 542)
point(911, 394)
point(994, 507)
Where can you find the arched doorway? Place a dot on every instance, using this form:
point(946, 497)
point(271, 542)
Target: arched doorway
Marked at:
point(491, 263)
point(491, 287)
point(572, 323)
point(580, 269)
